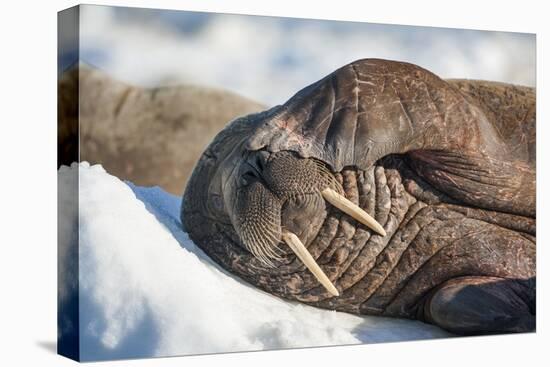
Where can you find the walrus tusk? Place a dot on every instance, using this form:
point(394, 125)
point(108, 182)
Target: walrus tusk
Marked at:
point(303, 254)
point(352, 210)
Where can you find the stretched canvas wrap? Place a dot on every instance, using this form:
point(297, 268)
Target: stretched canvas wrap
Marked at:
point(232, 183)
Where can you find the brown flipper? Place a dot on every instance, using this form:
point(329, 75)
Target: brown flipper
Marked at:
point(474, 305)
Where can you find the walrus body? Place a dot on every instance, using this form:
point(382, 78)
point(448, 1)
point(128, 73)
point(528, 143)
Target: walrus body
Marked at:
point(150, 136)
point(446, 167)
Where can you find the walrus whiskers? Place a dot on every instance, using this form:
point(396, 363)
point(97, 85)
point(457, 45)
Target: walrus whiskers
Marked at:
point(352, 210)
point(303, 254)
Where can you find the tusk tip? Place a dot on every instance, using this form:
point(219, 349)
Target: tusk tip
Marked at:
point(332, 289)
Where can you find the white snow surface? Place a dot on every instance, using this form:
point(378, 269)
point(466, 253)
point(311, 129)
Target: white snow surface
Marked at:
point(268, 59)
point(147, 290)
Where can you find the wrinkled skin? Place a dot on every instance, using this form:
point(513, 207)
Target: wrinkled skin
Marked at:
point(447, 168)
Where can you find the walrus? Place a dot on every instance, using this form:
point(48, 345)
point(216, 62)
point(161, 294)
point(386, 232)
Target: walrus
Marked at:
point(381, 189)
point(150, 136)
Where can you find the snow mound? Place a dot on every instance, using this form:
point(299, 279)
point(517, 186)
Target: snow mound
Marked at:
point(147, 290)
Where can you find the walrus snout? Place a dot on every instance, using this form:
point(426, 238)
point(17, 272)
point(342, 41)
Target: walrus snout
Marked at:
point(284, 198)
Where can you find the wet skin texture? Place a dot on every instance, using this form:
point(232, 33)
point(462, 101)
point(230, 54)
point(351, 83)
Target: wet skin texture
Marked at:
point(447, 168)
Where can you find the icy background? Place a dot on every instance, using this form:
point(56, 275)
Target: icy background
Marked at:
point(268, 59)
point(147, 290)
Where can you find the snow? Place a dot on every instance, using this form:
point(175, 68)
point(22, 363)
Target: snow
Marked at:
point(246, 54)
point(146, 290)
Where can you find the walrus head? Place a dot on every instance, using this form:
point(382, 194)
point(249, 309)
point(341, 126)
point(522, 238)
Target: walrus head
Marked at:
point(269, 198)
point(317, 199)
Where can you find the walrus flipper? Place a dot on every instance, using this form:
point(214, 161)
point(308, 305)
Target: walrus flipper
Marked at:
point(482, 305)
